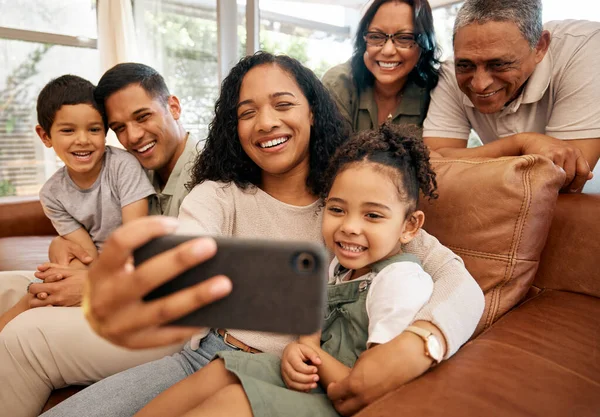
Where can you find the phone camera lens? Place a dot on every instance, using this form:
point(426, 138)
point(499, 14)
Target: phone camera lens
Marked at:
point(304, 262)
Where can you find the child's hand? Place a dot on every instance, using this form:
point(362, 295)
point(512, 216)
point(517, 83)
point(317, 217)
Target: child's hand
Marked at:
point(298, 368)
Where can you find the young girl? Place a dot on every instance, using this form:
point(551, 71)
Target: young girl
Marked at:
point(374, 294)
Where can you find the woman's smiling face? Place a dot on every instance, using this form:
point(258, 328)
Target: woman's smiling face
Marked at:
point(391, 65)
point(274, 121)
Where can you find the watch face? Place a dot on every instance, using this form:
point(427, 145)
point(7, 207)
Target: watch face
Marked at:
point(434, 348)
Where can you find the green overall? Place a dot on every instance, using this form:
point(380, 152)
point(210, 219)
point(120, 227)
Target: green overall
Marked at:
point(344, 336)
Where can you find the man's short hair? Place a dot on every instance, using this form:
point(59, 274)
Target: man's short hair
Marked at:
point(123, 75)
point(526, 14)
point(65, 91)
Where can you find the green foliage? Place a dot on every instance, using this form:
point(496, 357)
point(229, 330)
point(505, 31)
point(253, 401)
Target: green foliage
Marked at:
point(7, 188)
point(18, 87)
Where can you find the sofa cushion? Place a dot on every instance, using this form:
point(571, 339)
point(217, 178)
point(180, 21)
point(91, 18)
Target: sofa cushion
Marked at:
point(538, 360)
point(23, 253)
point(495, 214)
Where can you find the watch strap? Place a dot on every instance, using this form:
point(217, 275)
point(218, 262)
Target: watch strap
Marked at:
point(424, 334)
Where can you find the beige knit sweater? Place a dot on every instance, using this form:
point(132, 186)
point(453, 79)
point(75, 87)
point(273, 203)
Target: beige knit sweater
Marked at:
point(220, 209)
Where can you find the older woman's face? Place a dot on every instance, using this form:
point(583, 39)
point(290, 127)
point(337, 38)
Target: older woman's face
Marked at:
point(274, 121)
point(390, 65)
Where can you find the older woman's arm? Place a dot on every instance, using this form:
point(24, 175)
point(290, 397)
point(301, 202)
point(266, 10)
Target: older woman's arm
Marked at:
point(452, 314)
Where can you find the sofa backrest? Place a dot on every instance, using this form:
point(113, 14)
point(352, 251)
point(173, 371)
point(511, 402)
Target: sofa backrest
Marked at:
point(22, 216)
point(571, 258)
point(495, 214)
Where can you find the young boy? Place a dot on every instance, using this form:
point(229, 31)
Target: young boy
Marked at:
point(100, 187)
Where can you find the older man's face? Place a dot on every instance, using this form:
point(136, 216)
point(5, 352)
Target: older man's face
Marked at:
point(492, 61)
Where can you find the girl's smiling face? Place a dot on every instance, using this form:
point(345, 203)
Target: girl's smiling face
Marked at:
point(365, 218)
point(274, 121)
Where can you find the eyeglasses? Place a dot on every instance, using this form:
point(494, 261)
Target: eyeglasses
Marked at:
point(401, 40)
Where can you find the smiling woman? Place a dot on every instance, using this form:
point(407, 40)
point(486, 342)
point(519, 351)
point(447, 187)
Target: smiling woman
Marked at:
point(393, 68)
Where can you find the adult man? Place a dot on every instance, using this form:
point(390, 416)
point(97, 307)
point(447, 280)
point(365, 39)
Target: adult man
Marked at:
point(523, 88)
point(43, 349)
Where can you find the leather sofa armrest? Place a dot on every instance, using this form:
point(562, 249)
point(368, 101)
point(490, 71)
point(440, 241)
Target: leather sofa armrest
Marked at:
point(23, 216)
point(569, 260)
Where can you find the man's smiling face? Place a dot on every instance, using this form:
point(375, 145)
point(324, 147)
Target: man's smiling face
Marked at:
point(144, 125)
point(493, 61)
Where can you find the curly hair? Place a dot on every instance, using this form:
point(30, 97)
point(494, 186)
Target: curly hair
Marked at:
point(426, 72)
point(400, 149)
point(223, 158)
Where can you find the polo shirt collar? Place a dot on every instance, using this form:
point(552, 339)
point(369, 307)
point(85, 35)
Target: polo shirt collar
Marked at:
point(171, 185)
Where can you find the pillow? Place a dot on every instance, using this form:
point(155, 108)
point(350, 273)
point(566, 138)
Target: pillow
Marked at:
point(495, 214)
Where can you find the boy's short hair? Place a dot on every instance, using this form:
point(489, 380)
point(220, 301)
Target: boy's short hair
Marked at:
point(125, 74)
point(65, 91)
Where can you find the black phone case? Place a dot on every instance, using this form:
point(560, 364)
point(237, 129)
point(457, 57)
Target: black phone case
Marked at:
point(277, 286)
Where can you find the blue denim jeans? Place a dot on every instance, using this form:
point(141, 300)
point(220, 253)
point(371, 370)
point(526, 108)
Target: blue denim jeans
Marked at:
point(125, 393)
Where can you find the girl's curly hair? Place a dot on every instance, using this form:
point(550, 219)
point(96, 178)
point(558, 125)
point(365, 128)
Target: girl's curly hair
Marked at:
point(400, 149)
point(223, 158)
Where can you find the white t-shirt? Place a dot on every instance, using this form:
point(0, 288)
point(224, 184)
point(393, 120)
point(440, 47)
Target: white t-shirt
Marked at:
point(395, 296)
point(559, 99)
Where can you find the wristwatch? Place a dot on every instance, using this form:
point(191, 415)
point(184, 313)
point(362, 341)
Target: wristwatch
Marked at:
point(433, 347)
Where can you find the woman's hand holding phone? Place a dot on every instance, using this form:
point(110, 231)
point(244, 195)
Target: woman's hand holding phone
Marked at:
point(112, 301)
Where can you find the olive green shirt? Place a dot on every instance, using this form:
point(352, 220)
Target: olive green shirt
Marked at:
point(168, 200)
point(359, 108)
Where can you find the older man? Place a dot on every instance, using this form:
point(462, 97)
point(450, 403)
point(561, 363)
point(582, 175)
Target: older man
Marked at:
point(43, 349)
point(523, 88)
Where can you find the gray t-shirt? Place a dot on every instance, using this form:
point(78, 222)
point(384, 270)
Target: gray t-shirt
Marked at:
point(122, 181)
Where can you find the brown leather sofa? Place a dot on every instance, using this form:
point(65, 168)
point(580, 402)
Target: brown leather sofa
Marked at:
point(537, 349)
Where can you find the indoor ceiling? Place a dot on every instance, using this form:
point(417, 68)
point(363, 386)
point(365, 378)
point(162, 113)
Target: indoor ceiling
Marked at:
point(358, 4)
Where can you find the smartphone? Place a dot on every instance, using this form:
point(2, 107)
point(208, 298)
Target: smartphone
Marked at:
point(278, 286)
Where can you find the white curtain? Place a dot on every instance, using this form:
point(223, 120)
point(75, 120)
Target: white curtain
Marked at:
point(116, 33)
point(116, 40)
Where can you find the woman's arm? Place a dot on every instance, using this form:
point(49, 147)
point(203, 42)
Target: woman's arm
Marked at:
point(113, 301)
point(457, 302)
point(379, 370)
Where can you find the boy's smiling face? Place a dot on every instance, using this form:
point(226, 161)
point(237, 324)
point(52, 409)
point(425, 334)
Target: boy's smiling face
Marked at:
point(78, 138)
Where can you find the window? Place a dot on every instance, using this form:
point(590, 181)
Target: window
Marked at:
point(179, 40)
point(443, 22)
point(318, 34)
point(39, 40)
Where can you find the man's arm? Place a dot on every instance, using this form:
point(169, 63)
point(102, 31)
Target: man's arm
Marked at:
point(67, 253)
point(83, 239)
point(135, 210)
point(577, 157)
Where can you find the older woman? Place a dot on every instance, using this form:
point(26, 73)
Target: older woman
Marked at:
point(393, 69)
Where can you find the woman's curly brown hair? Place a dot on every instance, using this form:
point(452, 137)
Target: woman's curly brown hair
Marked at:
point(397, 147)
point(223, 158)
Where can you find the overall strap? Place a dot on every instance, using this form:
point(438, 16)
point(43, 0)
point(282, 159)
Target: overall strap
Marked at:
point(377, 267)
